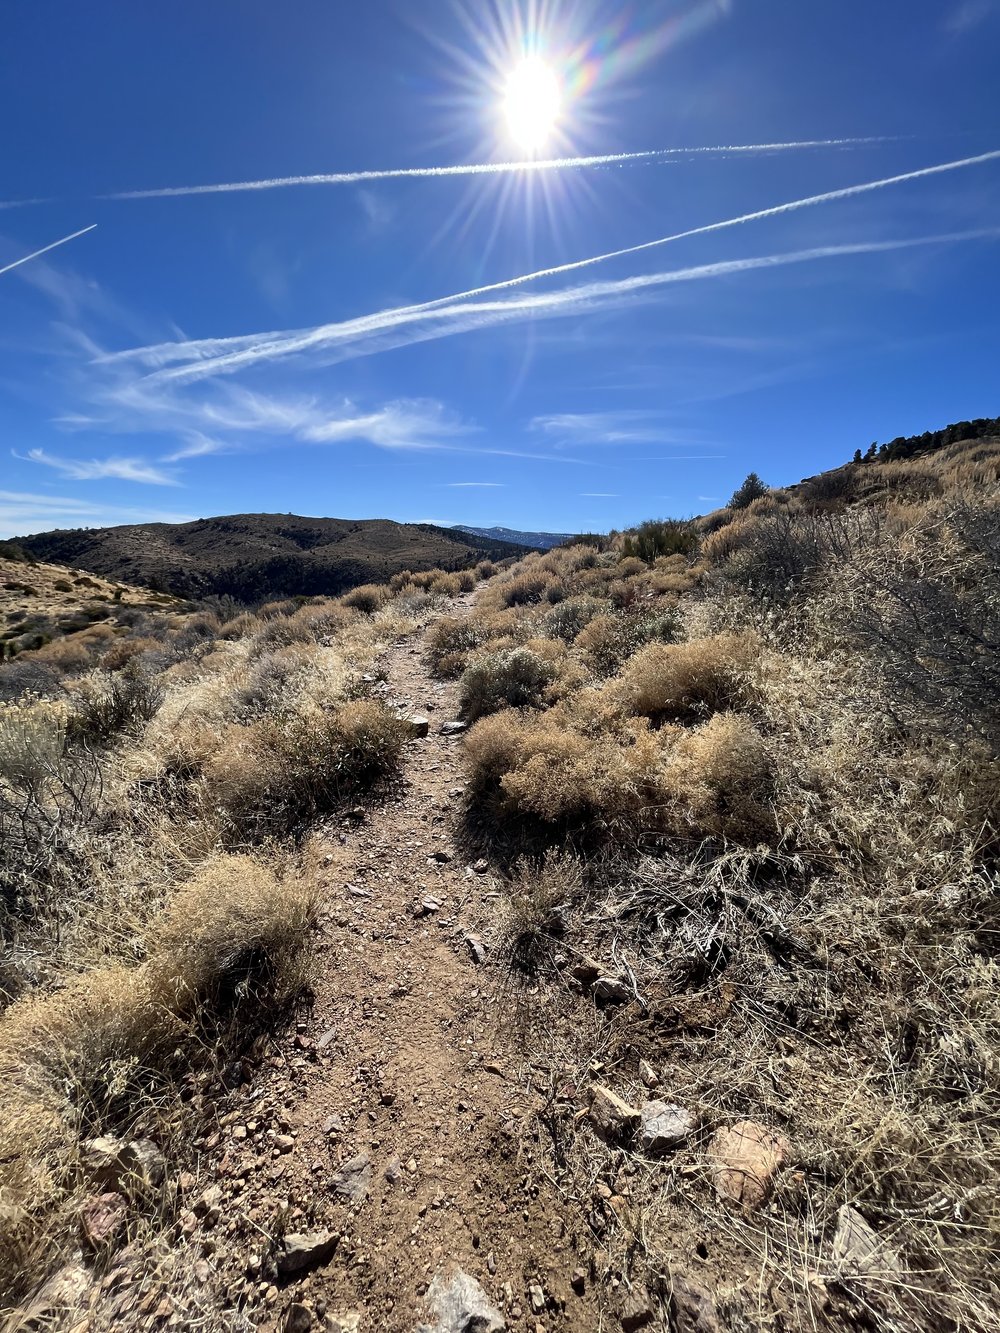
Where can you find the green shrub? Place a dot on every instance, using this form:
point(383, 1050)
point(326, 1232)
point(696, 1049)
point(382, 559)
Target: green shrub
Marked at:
point(751, 489)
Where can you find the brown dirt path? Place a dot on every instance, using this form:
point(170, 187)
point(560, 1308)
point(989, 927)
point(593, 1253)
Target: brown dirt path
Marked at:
point(406, 1062)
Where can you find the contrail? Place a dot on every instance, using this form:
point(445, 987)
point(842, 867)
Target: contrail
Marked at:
point(390, 329)
point(489, 168)
point(46, 248)
point(226, 353)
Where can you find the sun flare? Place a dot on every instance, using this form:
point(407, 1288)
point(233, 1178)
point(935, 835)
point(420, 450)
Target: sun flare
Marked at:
point(532, 103)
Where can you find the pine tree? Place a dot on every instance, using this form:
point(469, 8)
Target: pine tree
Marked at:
point(752, 489)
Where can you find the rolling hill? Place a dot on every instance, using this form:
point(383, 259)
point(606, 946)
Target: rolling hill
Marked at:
point(541, 541)
point(252, 556)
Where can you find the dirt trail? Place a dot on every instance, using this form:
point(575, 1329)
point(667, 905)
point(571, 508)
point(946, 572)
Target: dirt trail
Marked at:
point(404, 1070)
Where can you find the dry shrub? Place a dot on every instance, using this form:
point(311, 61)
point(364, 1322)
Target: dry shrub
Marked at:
point(569, 618)
point(367, 598)
point(404, 579)
point(445, 585)
point(486, 569)
point(523, 589)
point(514, 679)
point(603, 644)
point(67, 655)
point(119, 707)
point(95, 1057)
point(580, 764)
point(720, 778)
point(684, 680)
point(234, 933)
point(450, 640)
point(241, 626)
point(274, 775)
point(466, 580)
point(122, 652)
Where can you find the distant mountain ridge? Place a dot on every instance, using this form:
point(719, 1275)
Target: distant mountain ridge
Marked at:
point(541, 541)
point(256, 556)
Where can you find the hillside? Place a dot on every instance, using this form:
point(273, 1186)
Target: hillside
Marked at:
point(541, 541)
point(255, 556)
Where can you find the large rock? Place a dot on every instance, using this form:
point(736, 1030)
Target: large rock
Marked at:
point(353, 1179)
point(460, 1305)
point(692, 1309)
point(103, 1219)
point(745, 1157)
point(117, 1166)
point(613, 1118)
point(637, 1310)
point(662, 1126)
point(416, 724)
point(302, 1251)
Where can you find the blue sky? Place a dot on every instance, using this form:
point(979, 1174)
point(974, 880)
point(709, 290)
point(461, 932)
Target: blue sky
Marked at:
point(322, 347)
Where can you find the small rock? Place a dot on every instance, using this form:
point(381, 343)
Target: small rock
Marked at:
point(648, 1074)
point(857, 1248)
point(537, 1298)
point(586, 971)
point(353, 1180)
point(284, 1142)
point(611, 1115)
point(611, 990)
point(143, 1162)
point(416, 724)
point(453, 728)
point(102, 1219)
point(692, 1309)
point(298, 1319)
point(481, 867)
point(579, 1281)
point(66, 1287)
point(476, 948)
point(663, 1125)
point(344, 1321)
point(209, 1206)
point(441, 856)
point(637, 1311)
point(745, 1158)
point(393, 1170)
point(455, 793)
point(461, 1306)
point(333, 1124)
point(427, 906)
point(303, 1251)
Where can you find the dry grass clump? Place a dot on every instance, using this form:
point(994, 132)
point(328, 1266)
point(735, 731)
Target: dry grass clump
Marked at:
point(100, 1055)
point(688, 680)
point(521, 589)
point(122, 652)
point(537, 899)
point(485, 569)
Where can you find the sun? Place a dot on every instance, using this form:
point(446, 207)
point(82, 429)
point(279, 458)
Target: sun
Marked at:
point(532, 102)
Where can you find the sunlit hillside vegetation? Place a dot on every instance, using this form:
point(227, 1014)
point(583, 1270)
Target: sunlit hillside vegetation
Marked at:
point(750, 766)
point(158, 783)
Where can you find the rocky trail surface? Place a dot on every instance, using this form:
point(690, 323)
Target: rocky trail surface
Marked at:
point(378, 1160)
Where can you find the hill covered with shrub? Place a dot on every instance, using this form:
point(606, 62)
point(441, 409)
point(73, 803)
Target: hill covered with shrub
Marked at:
point(255, 556)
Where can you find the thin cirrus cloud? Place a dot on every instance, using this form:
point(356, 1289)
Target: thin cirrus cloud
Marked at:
point(334, 343)
point(476, 485)
point(23, 512)
point(456, 313)
point(525, 168)
point(599, 495)
point(101, 469)
point(623, 427)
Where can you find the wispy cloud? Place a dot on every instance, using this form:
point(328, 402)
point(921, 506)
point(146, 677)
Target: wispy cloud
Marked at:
point(46, 248)
point(477, 485)
point(24, 512)
point(101, 469)
point(969, 14)
point(599, 495)
point(525, 168)
point(626, 426)
point(370, 334)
